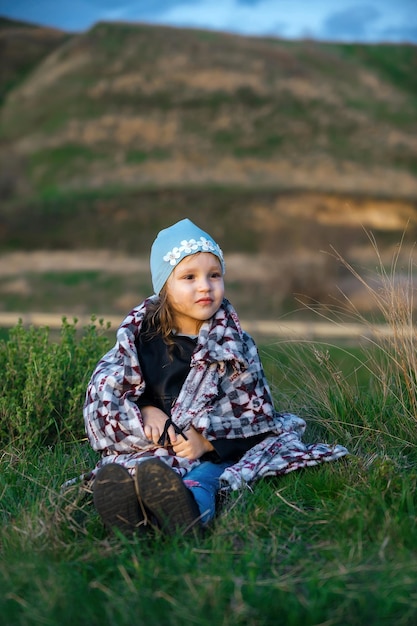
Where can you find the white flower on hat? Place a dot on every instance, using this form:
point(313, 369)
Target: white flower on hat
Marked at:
point(206, 244)
point(188, 246)
point(172, 256)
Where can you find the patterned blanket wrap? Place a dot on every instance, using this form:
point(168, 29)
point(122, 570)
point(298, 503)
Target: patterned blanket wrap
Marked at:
point(225, 395)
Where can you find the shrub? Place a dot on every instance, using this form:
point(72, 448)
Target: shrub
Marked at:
point(43, 385)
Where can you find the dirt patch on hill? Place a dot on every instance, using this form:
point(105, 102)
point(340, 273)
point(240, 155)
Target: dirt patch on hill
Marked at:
point(40, 261)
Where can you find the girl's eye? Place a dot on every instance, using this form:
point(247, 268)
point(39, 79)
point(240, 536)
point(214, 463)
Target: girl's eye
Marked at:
point(216, 275)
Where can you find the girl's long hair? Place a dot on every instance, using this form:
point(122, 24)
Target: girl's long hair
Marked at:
point(159, 318)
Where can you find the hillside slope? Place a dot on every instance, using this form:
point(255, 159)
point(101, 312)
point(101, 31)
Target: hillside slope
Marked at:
point(137, 105)
point(126, 125)
point(22, 47)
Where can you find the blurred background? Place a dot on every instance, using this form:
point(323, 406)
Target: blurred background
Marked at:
point(288, 130)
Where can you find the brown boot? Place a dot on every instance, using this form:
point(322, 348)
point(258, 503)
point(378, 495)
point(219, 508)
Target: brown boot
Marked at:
point(161, 491)
point(116, 501)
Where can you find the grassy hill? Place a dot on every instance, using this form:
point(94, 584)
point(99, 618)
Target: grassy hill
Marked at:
point(278, 148)
point(128, 108)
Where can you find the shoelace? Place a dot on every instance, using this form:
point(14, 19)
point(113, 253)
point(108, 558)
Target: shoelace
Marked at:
point(164, 438)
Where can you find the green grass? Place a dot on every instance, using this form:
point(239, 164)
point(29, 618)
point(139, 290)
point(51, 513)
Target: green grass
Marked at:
point(395, 63)
point(140, 156)
point(334, 544)
point(59, 163)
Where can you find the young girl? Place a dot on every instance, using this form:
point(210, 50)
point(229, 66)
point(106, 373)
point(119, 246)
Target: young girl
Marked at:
point(180, 406)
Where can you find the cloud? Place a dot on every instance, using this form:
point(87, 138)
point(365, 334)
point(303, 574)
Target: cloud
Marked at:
point(345, 20)
point(352, 23)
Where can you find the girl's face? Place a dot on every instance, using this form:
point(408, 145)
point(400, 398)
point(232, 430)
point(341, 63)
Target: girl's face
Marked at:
point(195, 291)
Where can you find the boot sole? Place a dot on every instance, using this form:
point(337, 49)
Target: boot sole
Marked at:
point(161, 491)
point(115, 499)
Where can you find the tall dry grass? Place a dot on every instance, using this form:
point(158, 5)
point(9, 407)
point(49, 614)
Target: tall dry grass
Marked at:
point(380, 388)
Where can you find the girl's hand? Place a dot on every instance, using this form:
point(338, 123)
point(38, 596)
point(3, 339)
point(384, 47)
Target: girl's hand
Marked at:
point(153, 422)
point(193, 447)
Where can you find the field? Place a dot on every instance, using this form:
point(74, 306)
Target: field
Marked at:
point(107, 137)
point(333, 544)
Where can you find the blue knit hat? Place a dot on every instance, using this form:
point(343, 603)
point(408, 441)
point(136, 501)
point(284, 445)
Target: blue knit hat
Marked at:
point(173, 244)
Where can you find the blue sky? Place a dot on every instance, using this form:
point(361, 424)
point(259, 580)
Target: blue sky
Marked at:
point(342, 20)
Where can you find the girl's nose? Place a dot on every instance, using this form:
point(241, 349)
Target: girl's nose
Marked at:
point(204, 284)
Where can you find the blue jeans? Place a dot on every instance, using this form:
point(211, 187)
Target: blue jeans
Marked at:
point(203, 482)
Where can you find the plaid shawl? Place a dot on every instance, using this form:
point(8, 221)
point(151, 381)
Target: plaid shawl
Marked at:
point(225, 395)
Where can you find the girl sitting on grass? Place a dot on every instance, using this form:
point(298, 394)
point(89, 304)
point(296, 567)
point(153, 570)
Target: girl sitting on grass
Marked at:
point(180, 407)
